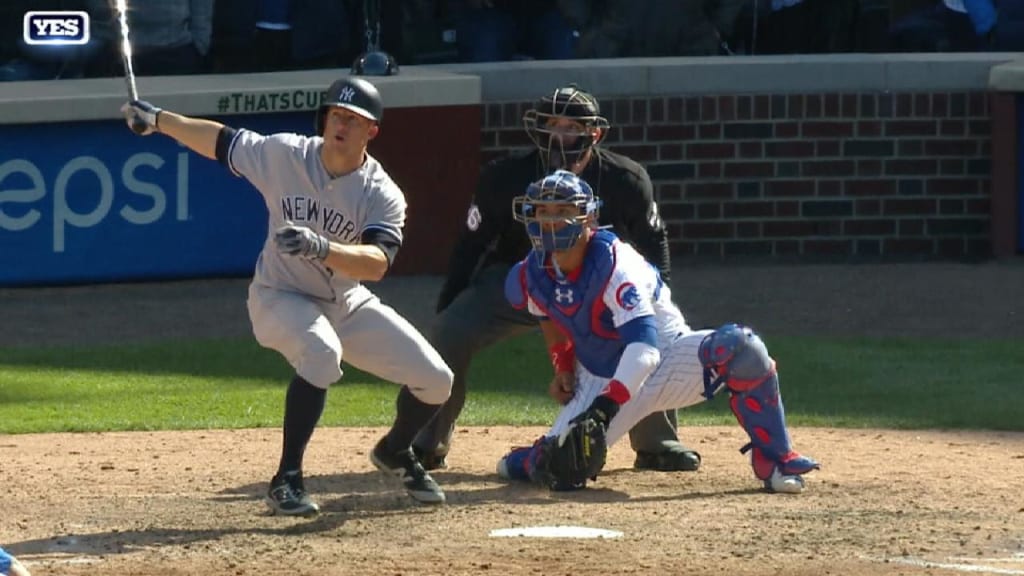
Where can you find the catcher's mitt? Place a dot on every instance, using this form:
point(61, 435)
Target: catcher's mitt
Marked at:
point(566, 462)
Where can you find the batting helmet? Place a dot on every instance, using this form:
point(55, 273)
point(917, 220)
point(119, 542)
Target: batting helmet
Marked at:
point(560, 188)
point(375, 63)
point(561, 148)
point(353, 94)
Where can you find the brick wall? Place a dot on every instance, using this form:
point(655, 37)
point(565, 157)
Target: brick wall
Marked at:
point(832, 176)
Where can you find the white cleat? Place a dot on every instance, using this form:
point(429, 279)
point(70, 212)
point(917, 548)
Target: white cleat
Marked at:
point(784, 484)
point(502, 469)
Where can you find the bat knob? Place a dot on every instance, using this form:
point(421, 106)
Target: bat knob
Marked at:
point(139, 126)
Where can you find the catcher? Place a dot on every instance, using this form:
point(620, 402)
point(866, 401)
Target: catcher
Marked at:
point(622, 350)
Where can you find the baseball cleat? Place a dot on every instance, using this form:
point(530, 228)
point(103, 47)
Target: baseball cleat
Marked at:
point(502, 469)
point(287, 496)
point(675, 459)
point(784, 484)
point(403, 464)
point(430, 461)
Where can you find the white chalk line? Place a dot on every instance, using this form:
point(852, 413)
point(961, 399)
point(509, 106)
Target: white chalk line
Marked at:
point(959, 566)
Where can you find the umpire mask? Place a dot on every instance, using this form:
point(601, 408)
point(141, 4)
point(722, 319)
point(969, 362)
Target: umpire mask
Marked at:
point(564, 125)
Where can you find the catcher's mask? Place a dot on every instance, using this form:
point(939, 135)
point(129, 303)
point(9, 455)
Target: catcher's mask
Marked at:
point(564, 125)
point(556, 211)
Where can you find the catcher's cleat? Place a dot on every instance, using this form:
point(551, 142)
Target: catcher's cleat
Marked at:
point(431, 461)
point(403, 464)
point(516, 464)
point(675, 459)
point(288, 496)
point(785, 484)
point(503, 468)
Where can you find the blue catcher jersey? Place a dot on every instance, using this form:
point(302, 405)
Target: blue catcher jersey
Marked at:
point(614, 285)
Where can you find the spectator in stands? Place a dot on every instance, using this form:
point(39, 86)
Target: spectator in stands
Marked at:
point(800, 26)
point(982, 14)
point(274, 35)
point(638, 28)
point(497, 30)
point(1009, 29)
point(168, 37)
point(946, 26)
point(419, 31)
point(10, 28)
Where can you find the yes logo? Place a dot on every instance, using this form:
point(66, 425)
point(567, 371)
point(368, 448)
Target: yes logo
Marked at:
point(56, 28)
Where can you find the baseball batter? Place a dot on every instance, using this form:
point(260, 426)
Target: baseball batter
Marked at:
point(335, 220)
point(621, 349)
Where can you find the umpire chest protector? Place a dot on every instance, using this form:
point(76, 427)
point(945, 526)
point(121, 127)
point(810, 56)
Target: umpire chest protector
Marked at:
point(577, 305)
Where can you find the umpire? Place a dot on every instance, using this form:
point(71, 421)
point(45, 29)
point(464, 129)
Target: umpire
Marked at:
point(567, 128)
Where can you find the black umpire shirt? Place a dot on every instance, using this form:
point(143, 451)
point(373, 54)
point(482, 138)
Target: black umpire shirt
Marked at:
point(493, 237)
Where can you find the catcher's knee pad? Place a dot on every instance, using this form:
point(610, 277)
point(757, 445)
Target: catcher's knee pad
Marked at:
point(734, 356)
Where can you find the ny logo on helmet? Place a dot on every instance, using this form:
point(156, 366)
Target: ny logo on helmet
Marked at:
point(346, 94)
point(565, 297)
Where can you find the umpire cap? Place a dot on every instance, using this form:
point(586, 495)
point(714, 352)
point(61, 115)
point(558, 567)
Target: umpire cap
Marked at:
point(355, 94)
point(570, 102)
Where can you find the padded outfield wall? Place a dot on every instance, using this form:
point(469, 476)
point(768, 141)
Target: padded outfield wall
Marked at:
point(814, 157)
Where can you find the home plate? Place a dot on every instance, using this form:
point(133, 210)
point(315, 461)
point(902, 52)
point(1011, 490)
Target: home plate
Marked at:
point(555, 532)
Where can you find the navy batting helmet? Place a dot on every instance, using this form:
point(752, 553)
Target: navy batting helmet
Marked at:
point(353, 94)
point(562, 147)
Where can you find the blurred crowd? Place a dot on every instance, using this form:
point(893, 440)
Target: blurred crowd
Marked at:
point(234, 36)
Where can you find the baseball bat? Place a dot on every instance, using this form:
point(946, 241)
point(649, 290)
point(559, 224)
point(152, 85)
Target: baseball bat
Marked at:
point(138, 126)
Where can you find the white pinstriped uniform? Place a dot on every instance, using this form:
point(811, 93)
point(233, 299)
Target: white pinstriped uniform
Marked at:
point(677, 382)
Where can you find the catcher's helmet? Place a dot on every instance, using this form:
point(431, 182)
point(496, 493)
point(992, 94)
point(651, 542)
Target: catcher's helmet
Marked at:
point(355, 94)
point(550, 231)
point(375, 63)
point(561, 147)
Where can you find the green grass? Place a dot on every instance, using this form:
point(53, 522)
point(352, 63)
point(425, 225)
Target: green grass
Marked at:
point(891, 383)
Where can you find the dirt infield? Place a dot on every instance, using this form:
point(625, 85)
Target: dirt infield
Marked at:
point(169, 503)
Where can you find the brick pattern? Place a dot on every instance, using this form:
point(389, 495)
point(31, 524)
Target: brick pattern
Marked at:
point(804, 175)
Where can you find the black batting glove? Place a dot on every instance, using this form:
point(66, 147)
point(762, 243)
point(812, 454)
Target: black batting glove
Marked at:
point(141, 116)
point(301, 241)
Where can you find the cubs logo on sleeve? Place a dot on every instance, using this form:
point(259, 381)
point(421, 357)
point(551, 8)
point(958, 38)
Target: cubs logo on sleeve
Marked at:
point(627, 296)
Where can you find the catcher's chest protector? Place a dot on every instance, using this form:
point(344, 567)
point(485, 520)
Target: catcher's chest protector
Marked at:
point(577, 306)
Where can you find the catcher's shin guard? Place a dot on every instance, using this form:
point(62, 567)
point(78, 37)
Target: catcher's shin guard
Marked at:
point(760, 412)
point(736, 357)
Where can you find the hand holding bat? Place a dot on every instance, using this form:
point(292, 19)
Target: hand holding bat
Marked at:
point(142, 117)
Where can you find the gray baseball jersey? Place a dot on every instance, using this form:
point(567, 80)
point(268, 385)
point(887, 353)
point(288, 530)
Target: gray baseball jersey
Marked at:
point(288, 172)
point(302, 309)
